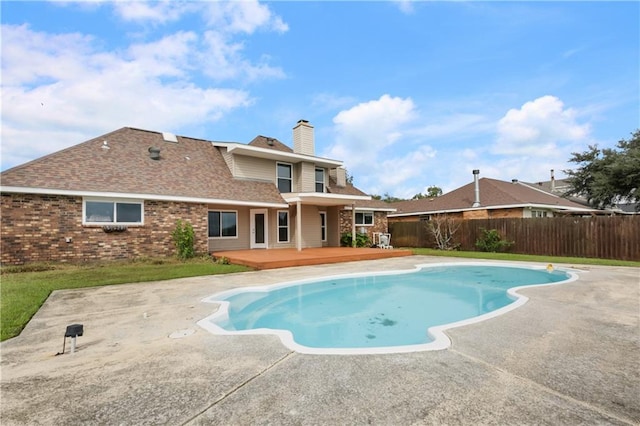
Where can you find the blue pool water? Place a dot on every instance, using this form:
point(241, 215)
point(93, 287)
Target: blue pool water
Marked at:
point(385, 310)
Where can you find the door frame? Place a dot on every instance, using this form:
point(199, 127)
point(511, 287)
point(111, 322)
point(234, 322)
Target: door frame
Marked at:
point(252, 229)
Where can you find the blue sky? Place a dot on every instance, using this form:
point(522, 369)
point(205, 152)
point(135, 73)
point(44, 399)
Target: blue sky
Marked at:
point(407, 94)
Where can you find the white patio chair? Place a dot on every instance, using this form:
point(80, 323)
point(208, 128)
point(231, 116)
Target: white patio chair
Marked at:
point(385, 241)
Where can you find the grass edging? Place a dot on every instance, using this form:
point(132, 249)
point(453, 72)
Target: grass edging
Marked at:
point(523, 257)
point(23, 293)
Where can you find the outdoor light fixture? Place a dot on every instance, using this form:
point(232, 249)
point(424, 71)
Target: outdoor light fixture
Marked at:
point(73, 331)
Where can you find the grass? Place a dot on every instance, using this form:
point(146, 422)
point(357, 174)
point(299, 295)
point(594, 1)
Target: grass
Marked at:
point(24, 289)
point(524, 257)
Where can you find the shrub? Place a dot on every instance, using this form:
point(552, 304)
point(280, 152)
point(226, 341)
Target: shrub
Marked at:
point(491, 241)
point(183, 237)
point(362, 240)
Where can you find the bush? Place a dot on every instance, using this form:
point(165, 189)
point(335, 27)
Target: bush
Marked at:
point(183, 237)
point(362, 240)
point(491, 241)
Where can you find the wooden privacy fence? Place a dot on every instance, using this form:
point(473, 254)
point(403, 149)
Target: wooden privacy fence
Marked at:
point(604, 237)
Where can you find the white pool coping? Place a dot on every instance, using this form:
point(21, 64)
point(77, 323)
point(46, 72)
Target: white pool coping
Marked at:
point(437, 333)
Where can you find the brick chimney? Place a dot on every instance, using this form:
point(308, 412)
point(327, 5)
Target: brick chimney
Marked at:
point(303, 140)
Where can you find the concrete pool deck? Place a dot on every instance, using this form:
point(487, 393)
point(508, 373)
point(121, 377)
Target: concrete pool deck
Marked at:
point(571, 355)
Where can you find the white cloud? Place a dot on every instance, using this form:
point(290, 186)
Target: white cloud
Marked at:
point(365, 130)
point(156, 12)
point(61, 89)
point(538, 127)
point(242, 17)
point(405, 6)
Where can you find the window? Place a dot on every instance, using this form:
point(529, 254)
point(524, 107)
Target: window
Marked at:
point(223, 224)
point(319, 180)
point(364, 218)
point(283, 226)
point(323, 225)
point(106, 212)
point(284, 177)
point(538, 213)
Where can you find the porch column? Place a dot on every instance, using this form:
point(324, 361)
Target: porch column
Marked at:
point(353, 225)
point(299, 225)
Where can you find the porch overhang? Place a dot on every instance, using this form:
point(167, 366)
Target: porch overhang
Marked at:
point(323, 199)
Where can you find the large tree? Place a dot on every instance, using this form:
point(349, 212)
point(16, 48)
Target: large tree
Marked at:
point(608, 176)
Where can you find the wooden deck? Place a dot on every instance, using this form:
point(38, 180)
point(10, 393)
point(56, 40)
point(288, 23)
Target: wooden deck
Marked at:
point(283, 258)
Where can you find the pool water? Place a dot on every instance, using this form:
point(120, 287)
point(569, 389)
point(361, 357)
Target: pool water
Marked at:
point(378, 310)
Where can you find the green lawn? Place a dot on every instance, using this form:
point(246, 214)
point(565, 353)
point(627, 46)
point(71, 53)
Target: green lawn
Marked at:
point(524, 257)
point(22, 293)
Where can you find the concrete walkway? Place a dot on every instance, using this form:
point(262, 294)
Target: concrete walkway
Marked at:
point(571, 355)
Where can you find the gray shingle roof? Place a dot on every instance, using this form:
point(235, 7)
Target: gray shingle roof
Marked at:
point(188, 168)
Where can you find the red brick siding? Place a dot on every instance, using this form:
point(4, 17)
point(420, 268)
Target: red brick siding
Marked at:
point(34, 228)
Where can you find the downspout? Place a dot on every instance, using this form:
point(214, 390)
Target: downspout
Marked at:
point(353, 225)
point(299, 226)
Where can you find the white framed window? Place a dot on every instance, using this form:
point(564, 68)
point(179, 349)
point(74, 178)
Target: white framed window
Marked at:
point(283, 226)
point(284, 176)
point(223, 224)
point(319, 180)
point(364, 218)
point(323, 225)
point(112, 212)
point(538, 213)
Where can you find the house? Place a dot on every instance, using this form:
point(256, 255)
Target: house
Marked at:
point(561, 186)
point(486, 198)
point(120, 195)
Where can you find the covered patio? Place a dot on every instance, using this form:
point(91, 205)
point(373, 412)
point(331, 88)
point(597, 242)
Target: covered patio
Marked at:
point(286, 257)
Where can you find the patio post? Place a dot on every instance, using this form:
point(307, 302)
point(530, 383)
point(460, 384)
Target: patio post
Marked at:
point(299, 225)
point(353, 224)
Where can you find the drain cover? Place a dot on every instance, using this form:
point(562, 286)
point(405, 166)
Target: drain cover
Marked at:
point(182, 333)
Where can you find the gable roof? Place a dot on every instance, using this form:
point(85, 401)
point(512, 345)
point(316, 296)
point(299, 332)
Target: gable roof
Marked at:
point(119, 163)
point(493, 194)
point(269, 143)
point(349, 189)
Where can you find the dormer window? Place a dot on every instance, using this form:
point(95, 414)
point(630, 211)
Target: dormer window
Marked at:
point(319, 180)
point(284, 175)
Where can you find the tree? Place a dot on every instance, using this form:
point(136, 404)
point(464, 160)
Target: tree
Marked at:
point(443, 228)
point(607, 176)
point(432, 192)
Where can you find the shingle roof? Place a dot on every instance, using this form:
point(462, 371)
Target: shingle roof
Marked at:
point(349, 189)
point(188, 168)
point(269, 143)
point(493, 193)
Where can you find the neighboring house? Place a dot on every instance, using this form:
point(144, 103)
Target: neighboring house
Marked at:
point(121, 194)
point(561, 186)
point(490, 198)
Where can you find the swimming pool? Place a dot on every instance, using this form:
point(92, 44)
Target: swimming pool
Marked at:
point(385, 312)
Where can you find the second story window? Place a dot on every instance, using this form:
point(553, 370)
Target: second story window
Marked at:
point(319, 180)
point(285, 174)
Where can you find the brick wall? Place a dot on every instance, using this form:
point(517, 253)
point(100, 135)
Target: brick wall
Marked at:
point(35, 228)
point(380, 223)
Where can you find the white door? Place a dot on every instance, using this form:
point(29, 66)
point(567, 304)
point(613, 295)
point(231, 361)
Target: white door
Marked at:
point(259, 234)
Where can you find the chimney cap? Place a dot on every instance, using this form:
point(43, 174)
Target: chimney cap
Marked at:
point(476, 172)
point(514, 180)
point(302, 121)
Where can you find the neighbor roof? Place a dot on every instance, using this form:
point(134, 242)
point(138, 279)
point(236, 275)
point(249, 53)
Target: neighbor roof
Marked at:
point(119, 162)
point(493, 194)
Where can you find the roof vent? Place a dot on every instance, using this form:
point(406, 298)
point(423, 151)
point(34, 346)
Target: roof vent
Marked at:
point(169, 137)
point(154, 153)
point(105, 145)
point(514, 180)
point(476, 203)
point(270, 141)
